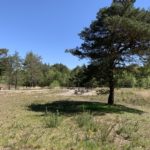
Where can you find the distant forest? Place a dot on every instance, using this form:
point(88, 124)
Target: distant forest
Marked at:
point(31, 71)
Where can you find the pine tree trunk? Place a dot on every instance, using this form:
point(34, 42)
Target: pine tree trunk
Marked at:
point(111, 88)
point(111, 94)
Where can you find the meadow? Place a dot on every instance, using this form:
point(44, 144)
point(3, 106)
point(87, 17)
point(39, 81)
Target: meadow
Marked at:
point(56, 120)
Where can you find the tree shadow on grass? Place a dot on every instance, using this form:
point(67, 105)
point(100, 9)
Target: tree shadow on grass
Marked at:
point(73, 107)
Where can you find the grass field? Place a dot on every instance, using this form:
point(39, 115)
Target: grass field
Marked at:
point(50, 120)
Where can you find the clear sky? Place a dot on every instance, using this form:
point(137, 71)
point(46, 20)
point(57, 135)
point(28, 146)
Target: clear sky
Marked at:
point(48, 27)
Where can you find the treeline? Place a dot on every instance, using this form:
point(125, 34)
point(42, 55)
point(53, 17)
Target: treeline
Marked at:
point(31, 71)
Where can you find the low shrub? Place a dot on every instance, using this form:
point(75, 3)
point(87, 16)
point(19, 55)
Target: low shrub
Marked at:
point(53, 120)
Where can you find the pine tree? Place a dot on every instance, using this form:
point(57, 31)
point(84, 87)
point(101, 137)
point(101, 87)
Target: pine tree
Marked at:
point(119, 36)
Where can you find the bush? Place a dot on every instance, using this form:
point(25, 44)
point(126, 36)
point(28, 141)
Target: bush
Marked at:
point(128, 80)
point(144, 82)
point(55, 84)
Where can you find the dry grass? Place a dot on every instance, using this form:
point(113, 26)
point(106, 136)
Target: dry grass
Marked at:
point(120, 127)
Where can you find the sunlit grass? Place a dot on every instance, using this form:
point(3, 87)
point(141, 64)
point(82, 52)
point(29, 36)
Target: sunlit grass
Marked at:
point(92, 126)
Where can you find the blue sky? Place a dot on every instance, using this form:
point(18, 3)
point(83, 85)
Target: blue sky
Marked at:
point(48, 27)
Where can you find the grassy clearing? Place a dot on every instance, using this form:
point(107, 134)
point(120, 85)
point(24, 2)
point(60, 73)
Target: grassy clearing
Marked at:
point(45, 120)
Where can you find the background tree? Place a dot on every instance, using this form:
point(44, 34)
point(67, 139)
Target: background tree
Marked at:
point(77, 77)
point(3, 55)
point(119, 36)
point(83, 77)
point(32, 69)
point(59, 75)
point(9, 71)
point(126, 79)
point(17, 66)
point(45, 75)
point(13, 65)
